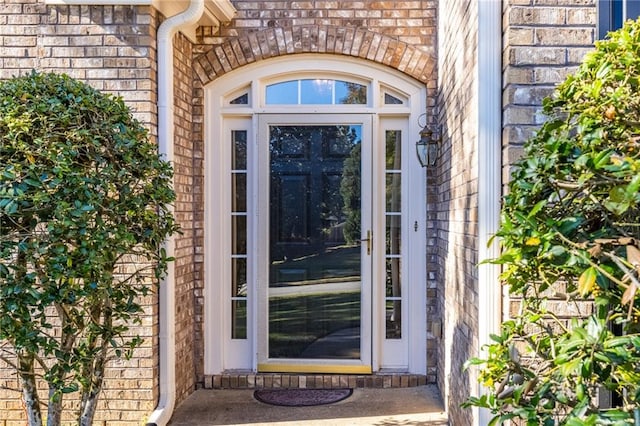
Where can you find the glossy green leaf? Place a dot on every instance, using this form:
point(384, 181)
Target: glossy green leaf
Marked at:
point(587, 280)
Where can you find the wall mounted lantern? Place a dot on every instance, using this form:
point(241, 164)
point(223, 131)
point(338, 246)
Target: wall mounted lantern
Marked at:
point(427, 148)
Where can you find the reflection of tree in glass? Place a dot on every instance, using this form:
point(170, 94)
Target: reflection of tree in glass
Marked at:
point(290, 142)
point(319, 152)
point(350, 190)
point(356, 94)
point(341, 144)
point(331, 211)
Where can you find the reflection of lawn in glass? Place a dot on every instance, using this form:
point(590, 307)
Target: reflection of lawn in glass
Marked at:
point(335, 264)
point(314, 303)
point(295, 322)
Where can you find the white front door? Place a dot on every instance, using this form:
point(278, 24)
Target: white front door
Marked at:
point(315, 221)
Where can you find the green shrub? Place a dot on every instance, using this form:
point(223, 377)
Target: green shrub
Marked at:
point(82, 193)
point(570, 231)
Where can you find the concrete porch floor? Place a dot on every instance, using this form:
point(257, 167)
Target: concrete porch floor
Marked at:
point(420, 405)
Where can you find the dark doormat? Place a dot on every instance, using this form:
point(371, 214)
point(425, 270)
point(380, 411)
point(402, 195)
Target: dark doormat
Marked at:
point(301, 397)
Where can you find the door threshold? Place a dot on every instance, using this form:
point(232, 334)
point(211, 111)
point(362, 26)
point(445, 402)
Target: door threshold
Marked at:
point(250, 380)
point(314, 368)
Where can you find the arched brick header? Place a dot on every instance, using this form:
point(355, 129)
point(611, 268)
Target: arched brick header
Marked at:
point(272, 42)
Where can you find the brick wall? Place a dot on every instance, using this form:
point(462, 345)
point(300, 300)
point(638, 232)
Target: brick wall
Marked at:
point(455, 208)
point(197, 191)
point(544, 41)
point(400, 34)
point(111, 48)
point(185, 208)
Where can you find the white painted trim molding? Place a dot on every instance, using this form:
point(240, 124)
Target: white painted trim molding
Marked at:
point(489, 81)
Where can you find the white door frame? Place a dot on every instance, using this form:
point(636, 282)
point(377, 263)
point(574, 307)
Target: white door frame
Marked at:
point(252, 79)
point(265, 364)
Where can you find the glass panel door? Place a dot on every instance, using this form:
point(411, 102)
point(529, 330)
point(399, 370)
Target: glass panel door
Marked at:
point(314, 247)
point(319, 245)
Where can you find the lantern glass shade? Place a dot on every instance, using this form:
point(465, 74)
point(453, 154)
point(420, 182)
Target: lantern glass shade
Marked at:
point(427, 147)
point(421, 152)
point(432, 152)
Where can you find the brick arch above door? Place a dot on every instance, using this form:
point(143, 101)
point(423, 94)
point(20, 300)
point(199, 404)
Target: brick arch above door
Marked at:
point(236, 52)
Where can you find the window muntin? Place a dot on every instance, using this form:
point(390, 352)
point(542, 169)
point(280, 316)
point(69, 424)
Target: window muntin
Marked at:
point(316, 92)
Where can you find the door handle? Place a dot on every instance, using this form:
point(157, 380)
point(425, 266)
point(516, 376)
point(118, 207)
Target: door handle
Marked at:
point(368, 240)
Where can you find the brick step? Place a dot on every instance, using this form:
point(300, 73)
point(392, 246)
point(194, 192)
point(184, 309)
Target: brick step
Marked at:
point(248, 380)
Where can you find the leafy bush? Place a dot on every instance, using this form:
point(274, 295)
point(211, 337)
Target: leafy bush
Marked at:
point(83, 214)
point(570, 234)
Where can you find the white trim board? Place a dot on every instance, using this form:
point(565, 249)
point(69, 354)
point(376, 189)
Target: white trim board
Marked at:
point(489, 107)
